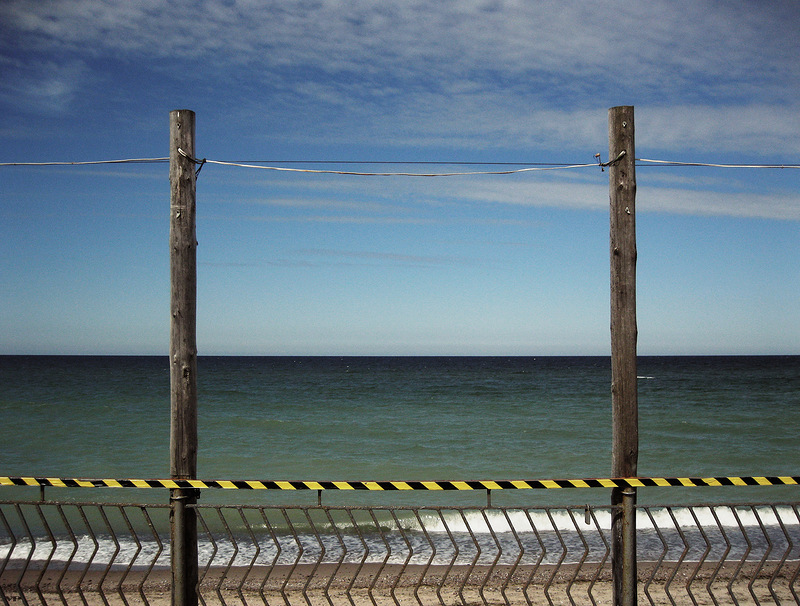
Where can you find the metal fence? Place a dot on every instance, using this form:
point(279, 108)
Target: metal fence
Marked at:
point(60, 552)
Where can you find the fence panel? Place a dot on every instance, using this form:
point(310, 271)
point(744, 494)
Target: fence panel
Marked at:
point(58, 552)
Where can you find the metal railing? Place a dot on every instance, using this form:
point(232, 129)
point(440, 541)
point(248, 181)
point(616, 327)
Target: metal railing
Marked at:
point(60, 552)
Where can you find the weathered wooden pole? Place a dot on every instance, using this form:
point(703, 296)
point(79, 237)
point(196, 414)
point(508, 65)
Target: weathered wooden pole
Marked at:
point(624, 332)
point(183, 356)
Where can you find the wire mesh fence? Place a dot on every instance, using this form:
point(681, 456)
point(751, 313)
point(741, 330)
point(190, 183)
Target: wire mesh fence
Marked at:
point(59, 552)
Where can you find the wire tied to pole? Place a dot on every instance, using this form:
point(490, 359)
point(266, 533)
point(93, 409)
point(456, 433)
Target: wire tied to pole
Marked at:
point(195, 161)
point(602, 164)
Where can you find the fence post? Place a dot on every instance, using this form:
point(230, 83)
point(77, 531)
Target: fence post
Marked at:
point(183, 357)
point(624, 398)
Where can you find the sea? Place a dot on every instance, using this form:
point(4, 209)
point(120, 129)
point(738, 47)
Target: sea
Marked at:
point(400, 418)
point(407, 418)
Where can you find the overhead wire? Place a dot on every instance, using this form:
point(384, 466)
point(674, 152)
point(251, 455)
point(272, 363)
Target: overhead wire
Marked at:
point(398, 174)
point(524, 166)
point(88, 162)
point(712, 165)
point(409, 162)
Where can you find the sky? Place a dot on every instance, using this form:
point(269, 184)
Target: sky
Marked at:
point(293, 263)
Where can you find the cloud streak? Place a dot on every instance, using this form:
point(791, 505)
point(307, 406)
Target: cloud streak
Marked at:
point(481, 38)
point(475, 74)
point(682, 191)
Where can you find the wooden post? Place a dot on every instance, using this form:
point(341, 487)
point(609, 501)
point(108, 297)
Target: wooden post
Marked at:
point(624, 397)
point(183, 357)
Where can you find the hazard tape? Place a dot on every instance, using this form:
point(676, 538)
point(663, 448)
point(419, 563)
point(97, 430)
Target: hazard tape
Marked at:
point(417, 485)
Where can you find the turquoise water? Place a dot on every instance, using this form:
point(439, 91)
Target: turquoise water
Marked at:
point(405, 418)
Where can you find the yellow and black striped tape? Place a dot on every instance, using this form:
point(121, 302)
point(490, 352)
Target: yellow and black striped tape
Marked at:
point(411, 485)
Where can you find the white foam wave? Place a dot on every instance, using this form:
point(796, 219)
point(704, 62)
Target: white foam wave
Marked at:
point(497, 521)
point(441, 534)
point(520, 521)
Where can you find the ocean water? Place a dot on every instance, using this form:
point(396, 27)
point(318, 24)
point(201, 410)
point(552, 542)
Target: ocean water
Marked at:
point(406, 418)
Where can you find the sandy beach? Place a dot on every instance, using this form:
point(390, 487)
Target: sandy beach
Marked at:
point(392, 584)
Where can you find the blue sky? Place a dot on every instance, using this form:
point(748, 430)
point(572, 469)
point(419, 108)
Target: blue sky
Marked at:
point(303, 263)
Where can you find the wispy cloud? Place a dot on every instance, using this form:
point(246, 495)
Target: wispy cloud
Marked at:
point(709, 203)
point(401, 201)
point(701, 42)
point(757, 129)
point(479, 74)
point(49, 86)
